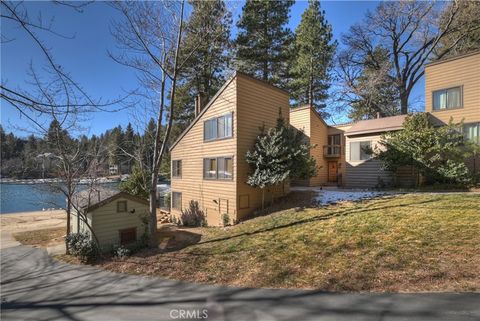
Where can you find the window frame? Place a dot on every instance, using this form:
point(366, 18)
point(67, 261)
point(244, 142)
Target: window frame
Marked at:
point(360, 151)
point(446, 91)
point(477, 124)
point(174, 173)
point(217, 162)
point(118, 206)
point(173, 200)
point(216, 119)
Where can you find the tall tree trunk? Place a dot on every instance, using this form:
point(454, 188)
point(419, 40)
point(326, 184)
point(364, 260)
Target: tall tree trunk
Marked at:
point(403, 101)
point(152, 227)
point(69, 210)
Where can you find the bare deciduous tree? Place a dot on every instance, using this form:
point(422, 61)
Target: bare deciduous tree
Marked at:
point(411, 31)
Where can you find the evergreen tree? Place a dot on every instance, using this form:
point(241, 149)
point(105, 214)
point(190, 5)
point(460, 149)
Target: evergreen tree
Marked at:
point(279, 154)
point(438, 153)
point(264, 43)
point(314, 53)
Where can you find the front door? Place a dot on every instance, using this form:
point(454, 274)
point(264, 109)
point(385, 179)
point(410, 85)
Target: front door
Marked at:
point(332, 172)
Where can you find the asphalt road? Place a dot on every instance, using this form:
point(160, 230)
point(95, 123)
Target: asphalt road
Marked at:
point(33, 287)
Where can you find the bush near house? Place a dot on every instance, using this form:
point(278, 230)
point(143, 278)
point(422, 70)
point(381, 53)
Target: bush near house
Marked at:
point(193, 216)
point(438, 153)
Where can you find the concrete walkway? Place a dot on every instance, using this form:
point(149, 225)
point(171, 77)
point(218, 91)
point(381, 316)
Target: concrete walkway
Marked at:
point(34, 287)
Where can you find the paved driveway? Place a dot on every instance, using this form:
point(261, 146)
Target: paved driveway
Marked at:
point(36, 288)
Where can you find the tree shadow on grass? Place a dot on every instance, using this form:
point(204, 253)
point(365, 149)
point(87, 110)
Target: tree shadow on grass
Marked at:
point(37, 288)
point(323, 217)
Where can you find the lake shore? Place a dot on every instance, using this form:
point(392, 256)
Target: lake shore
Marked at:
point(29, 221)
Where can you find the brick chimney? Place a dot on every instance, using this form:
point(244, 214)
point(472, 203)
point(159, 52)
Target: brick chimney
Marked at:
point(199, 103)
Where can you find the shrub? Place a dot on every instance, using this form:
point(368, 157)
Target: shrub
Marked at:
point(81, 246)
point(121, 251)
point(225, 219)
point(193, 216)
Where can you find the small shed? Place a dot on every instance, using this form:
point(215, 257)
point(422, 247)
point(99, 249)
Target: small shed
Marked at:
point(116, 218)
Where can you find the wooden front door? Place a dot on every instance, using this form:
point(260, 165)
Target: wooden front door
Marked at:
point(128, 235)
point(332, 172)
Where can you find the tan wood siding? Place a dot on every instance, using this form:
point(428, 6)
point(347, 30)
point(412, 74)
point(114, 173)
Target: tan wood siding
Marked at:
point(191, 149)
point(258, 105)
point(319, 138)
point(342, 164)
point(106, 222)
point(463, 72)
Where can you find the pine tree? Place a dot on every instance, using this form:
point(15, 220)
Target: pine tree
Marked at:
point(279, 154)
point(314, 53)
point(264, 43)
point(207, 35)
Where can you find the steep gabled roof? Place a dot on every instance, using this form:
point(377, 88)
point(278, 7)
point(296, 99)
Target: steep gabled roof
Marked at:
point(214, 98)
point(92, 199)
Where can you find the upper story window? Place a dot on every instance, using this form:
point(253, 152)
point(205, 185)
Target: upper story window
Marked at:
point(360, 150)
point(121, 206)
point(472, 132)
point(218, 127)
point(218, 168)
point(177, 168)
point(448, 98)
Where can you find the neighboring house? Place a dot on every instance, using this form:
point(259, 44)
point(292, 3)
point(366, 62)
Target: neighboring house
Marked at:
point(452, 91)
point(117, 218)
point(208, 159)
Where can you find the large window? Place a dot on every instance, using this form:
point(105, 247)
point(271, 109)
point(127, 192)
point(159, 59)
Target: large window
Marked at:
point(177, 168)
point(218, 128)
point(218, 168)
point(360, 150)
point(447, 98)
point(177, 201)
point(472, 132)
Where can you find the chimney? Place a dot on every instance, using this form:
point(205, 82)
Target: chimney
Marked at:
point(378, 115)
point(199, 103)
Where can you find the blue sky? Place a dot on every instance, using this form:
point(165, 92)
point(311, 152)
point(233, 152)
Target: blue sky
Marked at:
point(85, 56)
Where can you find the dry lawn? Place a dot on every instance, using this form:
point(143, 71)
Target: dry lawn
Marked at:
point(408, 243)
point(41, 238)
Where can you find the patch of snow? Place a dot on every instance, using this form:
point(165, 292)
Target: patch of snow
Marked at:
point(325, 197)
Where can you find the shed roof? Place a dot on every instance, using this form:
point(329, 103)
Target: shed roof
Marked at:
point(376, 125)
point(99, 196)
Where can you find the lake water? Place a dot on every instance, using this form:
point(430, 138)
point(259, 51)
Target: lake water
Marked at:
point(32, 197)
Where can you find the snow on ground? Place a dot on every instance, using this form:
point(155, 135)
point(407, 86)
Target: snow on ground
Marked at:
point(333, 195)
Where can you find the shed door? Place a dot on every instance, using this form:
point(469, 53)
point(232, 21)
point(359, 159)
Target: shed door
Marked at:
point(128, 235)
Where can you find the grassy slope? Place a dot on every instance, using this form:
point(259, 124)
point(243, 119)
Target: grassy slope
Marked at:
point(420, 242)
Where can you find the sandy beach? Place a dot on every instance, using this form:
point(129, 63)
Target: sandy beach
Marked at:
point(28, 221)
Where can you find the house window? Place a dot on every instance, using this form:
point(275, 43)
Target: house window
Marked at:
point(218, 128)
point(177, 168)
point(121, 206)
point(128, 235)
point(472, 132)
point(218, 168)
point(177, 201)
point(360, 150)
point(447, 98)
